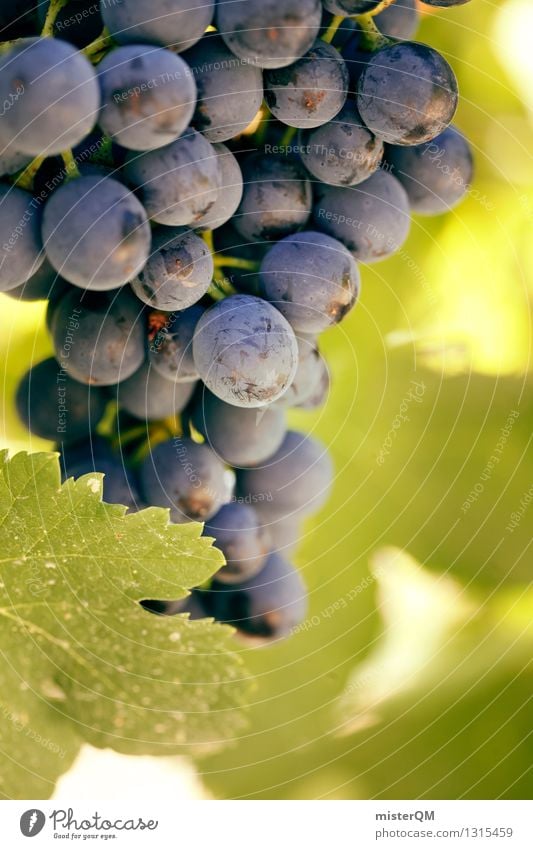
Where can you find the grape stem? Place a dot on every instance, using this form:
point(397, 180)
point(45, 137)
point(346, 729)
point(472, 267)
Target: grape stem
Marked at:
point(53, 11)
point(288, 136)
point(27, 175)
point(222, 261)
point(71, 168)
point(96, 49)
point(371, 38)
point(331, 31)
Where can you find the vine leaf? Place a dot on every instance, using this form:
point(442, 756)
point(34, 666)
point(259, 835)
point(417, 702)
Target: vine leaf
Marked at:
point(81, 659)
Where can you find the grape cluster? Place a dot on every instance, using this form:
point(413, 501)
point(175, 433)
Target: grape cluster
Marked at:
point(192, 186)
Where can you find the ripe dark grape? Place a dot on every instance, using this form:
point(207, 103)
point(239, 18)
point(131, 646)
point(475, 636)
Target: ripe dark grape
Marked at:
point(267, 606)
point(54, 406)
point(186, 477)
point(242, 539)
point(350, 7)
point(242, 438)
point(245, 351)
point(149, 396)
point(343, 152)
point(311, 91)
point(372, 219)
point(170, 348)
point(171, 23)
point(21, 248)
point(295, 481)
point(268, 33)
point(277, 197)
point(229, 193)
point(148, 96)
point(311, 381)
point(444, 2)
point(11, 160)
point(177, 184)
point(312, 279)
point(229, 91)
point(96, 233)
point(407, 93)
point(54, 95)
point(435, 175)
point(99, 337)
point(399, 20)
point(178, 272)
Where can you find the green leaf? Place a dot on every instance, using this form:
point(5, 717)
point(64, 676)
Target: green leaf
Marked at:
point(82, 660)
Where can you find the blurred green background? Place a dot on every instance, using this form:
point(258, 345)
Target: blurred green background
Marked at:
point(410, 678)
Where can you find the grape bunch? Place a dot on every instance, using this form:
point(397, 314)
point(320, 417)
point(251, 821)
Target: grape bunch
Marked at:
point(193, 186)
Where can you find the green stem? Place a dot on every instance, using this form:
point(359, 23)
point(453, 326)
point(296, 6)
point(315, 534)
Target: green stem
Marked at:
point(5, 46)
point(380, 8)
point(71, 168)
point(26, 177)
point(372, 39)
point(288, 136)
point(207, 236)
point(53, 11)
point(222, 261)
point(99, 46)
point(260, 133)
point(329, 35)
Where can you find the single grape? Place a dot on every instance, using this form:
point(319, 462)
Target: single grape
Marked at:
point(245, 351)
point(43, 285)
point(321, 386)
point(312, 279)
point(21, 248)
point(241, 438)
point(436, 175)
point(350, 7)
point(230, 91)
point(148, 96)
point(171, 23)
point(343, 152)
point(444, 2)
point(267, 606)
point(242, 539)
point(230, 191)
point(177, 184)
point(399, 20)
point(372, 219)
point(311, 381)
point(186, 477)
point(99, 337)
point(407, 93)
point(295, 481)
point(148, 396)
point(277, 197)
point(96, 233)
point(268, 33)
point(178, 272)
point(170, 343)
point(54, 406)
point(54, 93)
point(310, 92)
